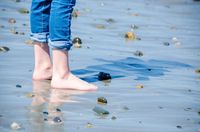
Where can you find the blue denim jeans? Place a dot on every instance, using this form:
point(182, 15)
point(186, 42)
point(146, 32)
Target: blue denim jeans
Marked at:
point(51, 21)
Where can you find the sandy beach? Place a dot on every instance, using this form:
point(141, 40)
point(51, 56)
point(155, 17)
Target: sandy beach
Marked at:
point(155, 75)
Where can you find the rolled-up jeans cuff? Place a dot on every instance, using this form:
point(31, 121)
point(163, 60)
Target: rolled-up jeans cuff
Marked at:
point(60, 45)
point(40, 37)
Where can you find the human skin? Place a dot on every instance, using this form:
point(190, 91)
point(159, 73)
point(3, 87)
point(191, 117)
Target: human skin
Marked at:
point(58, 70)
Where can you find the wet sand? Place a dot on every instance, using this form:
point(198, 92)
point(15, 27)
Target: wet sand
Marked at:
point(169, 100)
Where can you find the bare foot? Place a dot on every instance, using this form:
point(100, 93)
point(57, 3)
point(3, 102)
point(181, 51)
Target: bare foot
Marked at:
point(42, 74)
point(70, 81)
point(43, 66)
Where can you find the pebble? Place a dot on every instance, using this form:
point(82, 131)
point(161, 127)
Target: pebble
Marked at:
point(125, 108)
point(57, 120)
point(130, 36)
point(18, 86)
point(45, 119)
point(166, 43)
point(100, 26)
point(89, 125)
point(45, 113)
point(103, 76)
point(110, 20)
point(138, 53)
point(179, 127)
point(30, 95)
point(113, 117)
point(133, 26)
point(4, 49)
point(102, 100)
point(11, 20)
point(15, 126)
point(197, 71)
point(139, 86)
point(100, 110)
point(77, 42)
point(58, 110)
point(23, 11)
point(75, 13)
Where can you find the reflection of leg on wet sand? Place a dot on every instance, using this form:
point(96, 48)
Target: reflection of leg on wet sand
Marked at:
point(46, 103)
point(57, 98)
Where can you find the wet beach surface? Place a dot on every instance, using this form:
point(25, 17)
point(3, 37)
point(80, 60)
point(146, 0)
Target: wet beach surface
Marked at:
point(155, 77)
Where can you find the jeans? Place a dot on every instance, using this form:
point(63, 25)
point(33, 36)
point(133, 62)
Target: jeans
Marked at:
point(51, 21)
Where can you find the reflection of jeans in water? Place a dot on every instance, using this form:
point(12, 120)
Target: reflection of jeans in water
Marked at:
point(51, 21)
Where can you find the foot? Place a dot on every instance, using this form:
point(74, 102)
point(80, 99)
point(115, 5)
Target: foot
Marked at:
point(42, 74)
point(70, 81)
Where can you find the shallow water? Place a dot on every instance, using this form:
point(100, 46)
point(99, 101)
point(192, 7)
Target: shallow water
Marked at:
point(170, 96)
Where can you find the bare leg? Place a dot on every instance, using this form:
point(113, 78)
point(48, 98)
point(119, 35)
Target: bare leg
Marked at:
point(43, 66)
point(62, 77)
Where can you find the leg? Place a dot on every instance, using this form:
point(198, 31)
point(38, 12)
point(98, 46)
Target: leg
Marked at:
point(40, 12)
point(60, 33)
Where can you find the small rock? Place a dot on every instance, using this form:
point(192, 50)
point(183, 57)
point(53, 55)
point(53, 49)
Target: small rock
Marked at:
point(15, 126)
point(103, 76)
point(3, 9)
point(197, 71)
point(4, 49)
point(134, 27)
point(22, 33)
point(18, 86)
point(2, 26)
point(138, 53)
point(75, 13)
point(23, 11)
point(166, 43)
point(77, 42)
point(45, 113)
point(57, 120)
point(113, 117)
point(11, 20)
point(45, 119)
point(199, 112)
point(137, 38)
point(110, 20)
point(30, 95)
point(89, 125)
point(100, 110)
point(179, 127)
point(160, 107)
point(102, 100)
point(130, 36)
point(139, 86)
point(100, 26)
point(189, 90)
point(58, 110)
point(125, 108)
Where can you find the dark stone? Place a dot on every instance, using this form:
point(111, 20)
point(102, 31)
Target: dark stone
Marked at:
point(102, 100)
point(4, 49)
point(57, 109)
point(138, 53)
point(100, 110)
point(113, 117)
point(179, 127)
point(57, 120)
point(45, 119)
point(166, 43)
point(77, 40)
point(46, 113)
point(103, 76)
point(18, 86)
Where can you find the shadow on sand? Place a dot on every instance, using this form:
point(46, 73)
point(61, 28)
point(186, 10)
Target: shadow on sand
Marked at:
point(137, 68)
